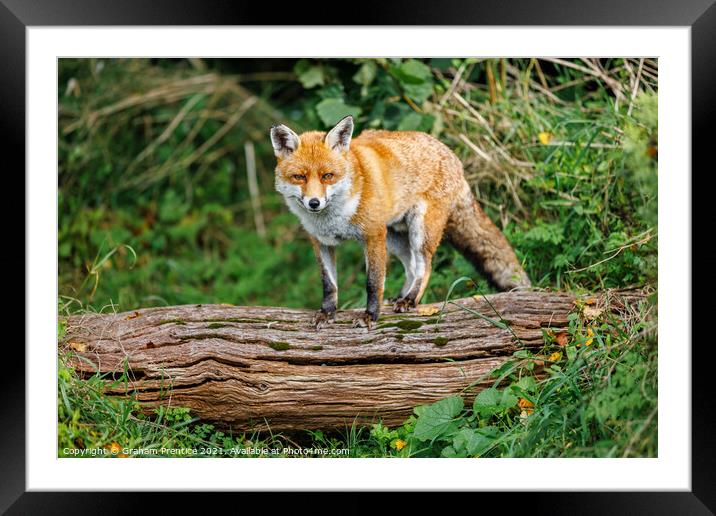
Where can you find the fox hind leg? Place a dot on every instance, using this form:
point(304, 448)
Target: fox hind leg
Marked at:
point(399, 246)
point(425, 228)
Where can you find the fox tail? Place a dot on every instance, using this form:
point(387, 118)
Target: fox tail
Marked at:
point(477, 238)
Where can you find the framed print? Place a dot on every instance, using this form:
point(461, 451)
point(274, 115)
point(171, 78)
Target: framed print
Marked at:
point(448, 252)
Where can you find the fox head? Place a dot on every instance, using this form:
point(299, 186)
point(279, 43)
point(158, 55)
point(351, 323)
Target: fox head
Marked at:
point(312, 168)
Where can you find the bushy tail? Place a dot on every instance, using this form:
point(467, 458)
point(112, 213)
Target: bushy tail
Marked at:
point(472, 233)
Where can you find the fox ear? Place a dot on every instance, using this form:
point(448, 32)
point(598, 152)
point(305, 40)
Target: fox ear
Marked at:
point(339, 138)
point(284, 141)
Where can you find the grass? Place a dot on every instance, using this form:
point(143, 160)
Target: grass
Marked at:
point(155, 210)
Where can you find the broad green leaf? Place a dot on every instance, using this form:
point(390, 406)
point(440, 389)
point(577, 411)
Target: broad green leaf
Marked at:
point(420, 410)
point(366, 73)
point(509, 400)
point(487, 402)
point(475, 441)
point(412, 71)
point(332, 110)
point(438, 419)
point(309, 75)
point(410, 122)
point(416, 79)
point(450, 453)
point(492, 401)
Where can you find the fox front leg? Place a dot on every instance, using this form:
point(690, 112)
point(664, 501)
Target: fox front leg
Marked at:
point(376, 256)
point(327, 261)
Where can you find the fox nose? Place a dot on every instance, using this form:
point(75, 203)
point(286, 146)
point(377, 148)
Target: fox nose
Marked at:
point(314, 203)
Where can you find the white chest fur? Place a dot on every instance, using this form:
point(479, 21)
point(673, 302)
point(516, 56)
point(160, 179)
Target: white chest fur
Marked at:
point(333, 224)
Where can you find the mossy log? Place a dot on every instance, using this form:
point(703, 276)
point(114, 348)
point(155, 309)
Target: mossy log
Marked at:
point(250, 368)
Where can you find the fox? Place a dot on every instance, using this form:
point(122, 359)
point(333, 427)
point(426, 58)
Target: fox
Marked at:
point(397, 193)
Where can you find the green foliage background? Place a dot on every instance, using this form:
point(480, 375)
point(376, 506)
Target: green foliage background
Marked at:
point(184, 206)
point(154, 207)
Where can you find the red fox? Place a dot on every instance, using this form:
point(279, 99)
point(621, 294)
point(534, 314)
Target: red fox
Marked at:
point(396, 192)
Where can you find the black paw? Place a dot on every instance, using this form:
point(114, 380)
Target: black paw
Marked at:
point(364, 321)
point(403, 305)
point(322, 318)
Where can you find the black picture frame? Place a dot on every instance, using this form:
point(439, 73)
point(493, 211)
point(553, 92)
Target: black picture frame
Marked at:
point(700, 15)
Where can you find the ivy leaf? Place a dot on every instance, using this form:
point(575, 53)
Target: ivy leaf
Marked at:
point(332, 110)
point(438, 419)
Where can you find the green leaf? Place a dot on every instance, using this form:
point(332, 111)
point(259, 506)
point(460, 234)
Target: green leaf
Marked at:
point(527, 384)
point(65, 249)
point(332, 110)
point(450, 453)
point(492, 401)
point(412, 71)
point(487, 402)
point(571, 352)
point(509, 400)
point(366, 73)
point(310, 75)
point(419, 92)
point(415, 78)
point(475, 441)
point(410, 122)
point(437, 420)
point(522, 353)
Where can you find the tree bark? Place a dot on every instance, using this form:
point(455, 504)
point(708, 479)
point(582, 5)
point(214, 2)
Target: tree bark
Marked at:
point(251, 368)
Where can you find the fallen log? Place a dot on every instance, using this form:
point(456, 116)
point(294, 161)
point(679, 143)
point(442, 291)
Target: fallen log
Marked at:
point(249, 367)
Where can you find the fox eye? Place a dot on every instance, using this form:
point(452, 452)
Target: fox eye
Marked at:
point(327, 177)
point(298, 177)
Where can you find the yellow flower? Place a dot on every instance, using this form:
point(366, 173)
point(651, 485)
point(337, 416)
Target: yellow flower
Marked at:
point(115, 448)
point(590, 333)
point(554, 357)
point(400, 444)
point(545, 137)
